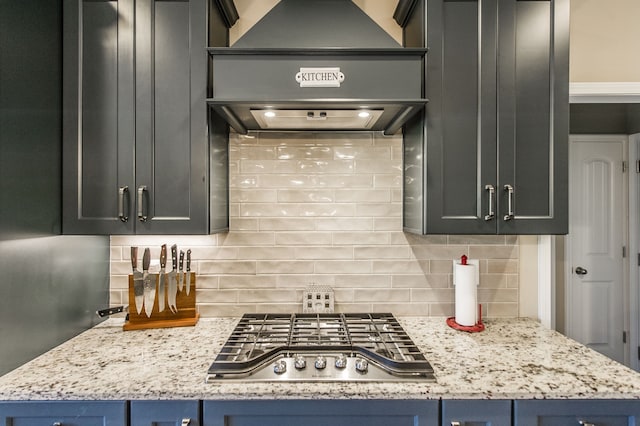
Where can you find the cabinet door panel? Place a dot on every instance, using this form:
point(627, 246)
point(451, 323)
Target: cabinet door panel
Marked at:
point(85, 413)
point(164, 413)
point(476, 413)
point(562, 413)
point(533, 125)
point(171, 137)
point(98, 135)
point(320, 413)
point(460, 115)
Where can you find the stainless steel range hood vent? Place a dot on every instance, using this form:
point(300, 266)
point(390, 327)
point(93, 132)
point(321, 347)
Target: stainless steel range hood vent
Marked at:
point(316, 65)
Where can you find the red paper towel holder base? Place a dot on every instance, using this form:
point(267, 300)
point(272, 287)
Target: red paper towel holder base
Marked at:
point(451, 322)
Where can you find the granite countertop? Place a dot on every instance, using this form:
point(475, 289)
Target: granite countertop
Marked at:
point(511, 359)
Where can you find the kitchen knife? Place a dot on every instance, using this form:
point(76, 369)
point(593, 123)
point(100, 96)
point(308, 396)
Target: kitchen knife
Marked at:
point(180, 272)
point(149, 283)
point(188, 283)
point(138, 286)
point(162, 278)
point(173, 283)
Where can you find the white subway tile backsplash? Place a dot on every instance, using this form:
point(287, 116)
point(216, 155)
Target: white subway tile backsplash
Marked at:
point(285, 267)
point(254, 196)
point(306, 196)
point(326, 209)
point(303, 238)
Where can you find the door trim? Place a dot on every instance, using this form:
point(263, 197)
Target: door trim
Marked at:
point(604, 92)
point(634, 251)
point(626, 241)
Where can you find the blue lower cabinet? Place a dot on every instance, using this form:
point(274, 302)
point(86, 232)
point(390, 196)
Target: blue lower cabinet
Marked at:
point(577, 412)
point(165, 413)
point(476, 412)
point(320, 413)
point(64, 413)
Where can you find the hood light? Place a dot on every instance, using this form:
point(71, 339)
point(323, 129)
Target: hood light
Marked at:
point(270, 114)
point(363, 114)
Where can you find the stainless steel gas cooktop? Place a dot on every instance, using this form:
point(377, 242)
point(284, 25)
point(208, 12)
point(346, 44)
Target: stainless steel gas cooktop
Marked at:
point(319, 347)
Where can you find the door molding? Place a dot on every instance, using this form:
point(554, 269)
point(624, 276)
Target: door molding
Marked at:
point(604, 92)
point(634, 250)
point(631, 252)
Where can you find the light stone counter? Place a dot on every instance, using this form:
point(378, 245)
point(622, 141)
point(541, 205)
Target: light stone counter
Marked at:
point(511, 359)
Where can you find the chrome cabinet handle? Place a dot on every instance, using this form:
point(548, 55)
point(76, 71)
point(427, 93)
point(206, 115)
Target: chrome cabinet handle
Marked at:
point(491, 214)
point(509, 214)
point(186, 422)
point(583, 423)
point(141, 216)
point(121, 193)
point(56, 424)
point(455, 423)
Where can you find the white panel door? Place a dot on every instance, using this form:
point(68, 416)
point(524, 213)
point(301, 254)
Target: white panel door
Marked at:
point(597, 224)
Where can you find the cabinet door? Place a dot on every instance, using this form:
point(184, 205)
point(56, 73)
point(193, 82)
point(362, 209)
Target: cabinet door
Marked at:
point(320, 413)
point(567, 413)
point(533, 116)
point(171, 127)
point(461, 116)
point(85, 413)
point(476, 413)
point(165, 413)
point(98, 116)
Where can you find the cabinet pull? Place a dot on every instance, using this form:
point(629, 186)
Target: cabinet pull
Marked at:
point(455, 423)
point(492, 197)
point(186, 422)
point(121, 193)
point(141, 216)
point(56, 424)
point(509, 190)
point(585, 423)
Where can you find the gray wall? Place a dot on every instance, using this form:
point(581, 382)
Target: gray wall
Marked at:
point(50, 285)
point(604, 118)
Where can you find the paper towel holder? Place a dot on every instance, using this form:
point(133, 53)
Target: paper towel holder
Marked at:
point(451, 322)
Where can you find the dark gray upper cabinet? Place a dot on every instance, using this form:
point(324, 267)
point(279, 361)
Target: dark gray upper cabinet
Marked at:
point(135, 127)
point(492, 156)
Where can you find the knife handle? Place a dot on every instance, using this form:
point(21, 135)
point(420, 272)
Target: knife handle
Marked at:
point(188, 260)
point(110, 311)
point(163, 256)
point(174, 256)
point(146, 259)
point(134, 257)
point(181, 259)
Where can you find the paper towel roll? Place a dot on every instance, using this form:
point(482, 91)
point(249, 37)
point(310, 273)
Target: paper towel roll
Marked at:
point(465, 280)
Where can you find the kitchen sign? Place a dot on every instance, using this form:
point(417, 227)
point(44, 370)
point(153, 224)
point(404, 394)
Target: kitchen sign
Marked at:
point(320, 77)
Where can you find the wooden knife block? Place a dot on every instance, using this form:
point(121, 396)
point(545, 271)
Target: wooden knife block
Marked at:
point(186, 304)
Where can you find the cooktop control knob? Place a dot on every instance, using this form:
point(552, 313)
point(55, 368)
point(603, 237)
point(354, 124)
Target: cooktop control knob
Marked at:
point(362, 365)
point(321, 362)
point(280, 367)
point(300, 362)
point(341, 361)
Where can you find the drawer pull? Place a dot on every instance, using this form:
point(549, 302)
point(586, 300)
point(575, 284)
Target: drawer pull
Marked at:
point(122, 191)
point(186, 422)
point(142, 217)
point(509, 190)
point(492, 195)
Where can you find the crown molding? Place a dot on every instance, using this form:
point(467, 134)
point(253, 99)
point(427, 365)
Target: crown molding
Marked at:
point(604, 92)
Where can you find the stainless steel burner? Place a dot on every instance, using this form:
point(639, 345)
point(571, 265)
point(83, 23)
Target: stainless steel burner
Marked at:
point(320, 347)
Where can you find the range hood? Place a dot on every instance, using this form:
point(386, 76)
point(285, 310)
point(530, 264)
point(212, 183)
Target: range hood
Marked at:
point(316, 65)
